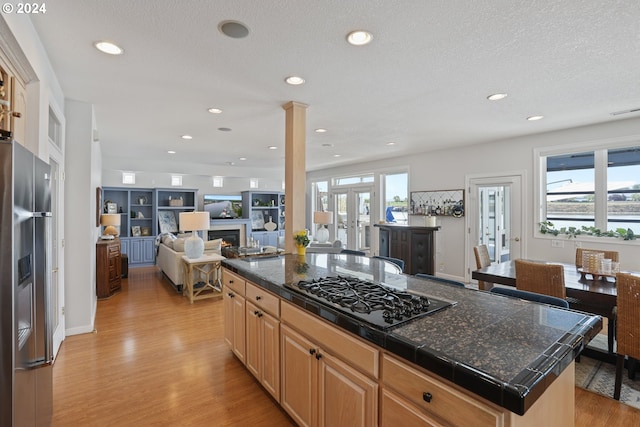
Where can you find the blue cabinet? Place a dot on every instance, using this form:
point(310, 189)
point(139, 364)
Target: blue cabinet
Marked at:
point(142, 251)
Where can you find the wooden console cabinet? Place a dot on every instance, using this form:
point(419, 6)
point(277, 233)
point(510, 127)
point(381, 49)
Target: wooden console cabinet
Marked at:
point(108, 267)
point(415, 245)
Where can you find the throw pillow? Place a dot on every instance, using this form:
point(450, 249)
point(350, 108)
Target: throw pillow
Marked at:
point(178, 244)
point(168, 239)
point(215, 244)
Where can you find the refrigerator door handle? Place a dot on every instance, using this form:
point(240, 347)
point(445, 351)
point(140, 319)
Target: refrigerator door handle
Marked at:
point(48, 318)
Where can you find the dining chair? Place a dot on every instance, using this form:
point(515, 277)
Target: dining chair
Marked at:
point(397, 261)
point(612, 255)
point(352, 252)
point(530, 296)
point(627, 321)
point(438, 279)
point(541, 278)
point(482, 260)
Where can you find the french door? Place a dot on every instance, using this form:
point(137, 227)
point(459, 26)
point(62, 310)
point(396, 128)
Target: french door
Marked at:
point(494, 218)
point(352, 210)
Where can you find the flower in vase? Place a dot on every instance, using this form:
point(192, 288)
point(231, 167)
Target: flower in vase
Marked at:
point(301, 238)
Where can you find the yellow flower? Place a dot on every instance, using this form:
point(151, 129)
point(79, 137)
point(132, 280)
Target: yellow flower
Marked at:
point(301, 238)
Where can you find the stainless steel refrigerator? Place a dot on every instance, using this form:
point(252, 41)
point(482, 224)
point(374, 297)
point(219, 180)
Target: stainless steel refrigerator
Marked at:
point(25, 279)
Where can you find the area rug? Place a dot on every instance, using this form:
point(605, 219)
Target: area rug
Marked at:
point(599, 377)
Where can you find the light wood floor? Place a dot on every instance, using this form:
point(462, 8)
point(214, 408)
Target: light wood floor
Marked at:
point(156, 360)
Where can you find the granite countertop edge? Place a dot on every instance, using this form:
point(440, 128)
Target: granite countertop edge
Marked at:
point(517, 395)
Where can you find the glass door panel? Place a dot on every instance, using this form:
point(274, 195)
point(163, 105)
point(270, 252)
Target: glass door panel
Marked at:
point(352, 209)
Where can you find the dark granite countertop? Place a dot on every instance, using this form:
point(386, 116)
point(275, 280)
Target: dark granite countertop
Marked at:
point(506, 350)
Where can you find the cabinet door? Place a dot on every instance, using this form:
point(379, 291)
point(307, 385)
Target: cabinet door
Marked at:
point(124, 246)
point(396, 411)
point(148, 251)
point(345, 397)
point(239, 345)
point(234, 323)
point(271, 353)
point(299, 377)
point(422, 260)
point(19, 115)
point(135, 251)
point(254, 351)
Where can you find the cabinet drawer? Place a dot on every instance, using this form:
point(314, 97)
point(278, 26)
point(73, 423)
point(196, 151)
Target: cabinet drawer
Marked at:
point(233, 282)
point(263, 299)
point(447, 403)
point(350, 349)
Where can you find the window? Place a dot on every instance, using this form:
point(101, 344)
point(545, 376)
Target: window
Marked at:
point(218, 181)
point(599, 188)
point(395, 198)
point(55, 129)
point(176, 180)
point(129, 178)
point(253, 183)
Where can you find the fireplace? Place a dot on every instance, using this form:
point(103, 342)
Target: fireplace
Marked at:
point(229, 237)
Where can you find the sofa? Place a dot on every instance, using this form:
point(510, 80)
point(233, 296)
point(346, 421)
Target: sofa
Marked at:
point(170, 253)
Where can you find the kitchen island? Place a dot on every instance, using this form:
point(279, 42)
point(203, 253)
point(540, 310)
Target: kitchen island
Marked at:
point(480, 356)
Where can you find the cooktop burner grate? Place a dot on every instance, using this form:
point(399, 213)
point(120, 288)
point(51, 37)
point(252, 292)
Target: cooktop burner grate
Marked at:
point(368, 301)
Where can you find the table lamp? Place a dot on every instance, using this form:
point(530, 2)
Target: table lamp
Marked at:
point(194, 222)
point(110, 222)
point(322, 218)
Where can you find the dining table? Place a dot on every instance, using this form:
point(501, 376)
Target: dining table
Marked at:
point(585, 292)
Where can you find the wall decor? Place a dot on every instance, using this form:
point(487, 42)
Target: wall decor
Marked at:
point(145, 231)
point(135, 231)
point(437, 203)
point(257, 220)
point(167, 222)
point(98, 205)
point(111, 207)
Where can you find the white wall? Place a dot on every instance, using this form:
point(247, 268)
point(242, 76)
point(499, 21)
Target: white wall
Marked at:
point(447, 169)
point(82, 178)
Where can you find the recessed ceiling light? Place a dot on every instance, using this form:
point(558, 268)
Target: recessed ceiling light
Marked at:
point(320, 130)
point(337, 155)
point(108, 47)
point(359, 37)
point(224, 129)
point(497, 96)
point(273, 147)
point(391, 143)
point(243, 158)
point(534, 118)
point(186, 137)
point(214, 110)
point(171, 152)
point(233, 29)
point(230, 163)
point(294, 80)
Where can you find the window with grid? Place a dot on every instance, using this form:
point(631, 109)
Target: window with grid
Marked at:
point(599, 188)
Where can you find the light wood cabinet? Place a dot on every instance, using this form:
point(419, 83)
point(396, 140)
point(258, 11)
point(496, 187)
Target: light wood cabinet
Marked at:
point(234, 313)
point(328, 379)
point(422, 397)
point(263, 338)
point(108, 268)
point(319, 389)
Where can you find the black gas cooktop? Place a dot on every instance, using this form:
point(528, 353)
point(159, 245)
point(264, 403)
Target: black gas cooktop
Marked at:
point(372, 303)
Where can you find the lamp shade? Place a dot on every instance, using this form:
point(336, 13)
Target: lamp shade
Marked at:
point(320, 217)
point(194, 221)
point(110, 222)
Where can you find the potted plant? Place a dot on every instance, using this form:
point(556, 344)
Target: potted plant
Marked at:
point(302, 240)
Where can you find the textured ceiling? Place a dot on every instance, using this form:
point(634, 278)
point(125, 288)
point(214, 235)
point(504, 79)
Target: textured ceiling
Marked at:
point(422, 83)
